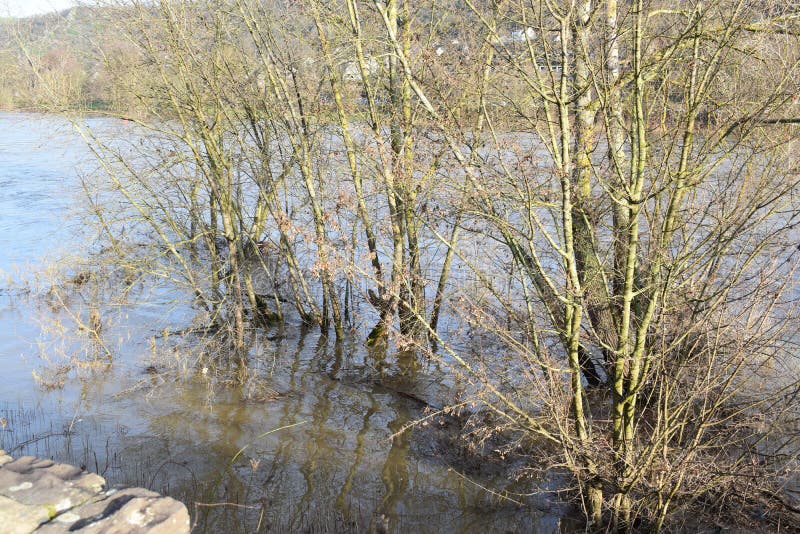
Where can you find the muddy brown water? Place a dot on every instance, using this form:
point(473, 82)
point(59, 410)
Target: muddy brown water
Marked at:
point(314, 444)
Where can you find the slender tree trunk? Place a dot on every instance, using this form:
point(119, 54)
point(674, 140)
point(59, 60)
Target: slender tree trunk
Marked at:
point(592, 272)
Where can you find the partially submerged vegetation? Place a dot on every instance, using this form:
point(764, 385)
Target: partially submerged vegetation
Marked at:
point(584, 210)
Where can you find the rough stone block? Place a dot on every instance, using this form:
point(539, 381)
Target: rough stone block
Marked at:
point(42, 496)
point(133, 510)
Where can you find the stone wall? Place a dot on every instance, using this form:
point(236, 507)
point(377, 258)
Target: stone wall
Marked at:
point(45, 497)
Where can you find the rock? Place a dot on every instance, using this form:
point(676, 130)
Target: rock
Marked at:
point(43, 496)
point(18, 518)
point(43, 483)
point(134, 510)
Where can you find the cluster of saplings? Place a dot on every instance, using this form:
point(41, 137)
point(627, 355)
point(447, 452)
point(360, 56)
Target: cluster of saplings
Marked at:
point(601, 189)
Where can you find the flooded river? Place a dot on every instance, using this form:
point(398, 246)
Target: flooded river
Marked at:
point(318, 447)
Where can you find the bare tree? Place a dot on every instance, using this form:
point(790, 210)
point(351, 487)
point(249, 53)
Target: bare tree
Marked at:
point(617, 178)
point(641, 250)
